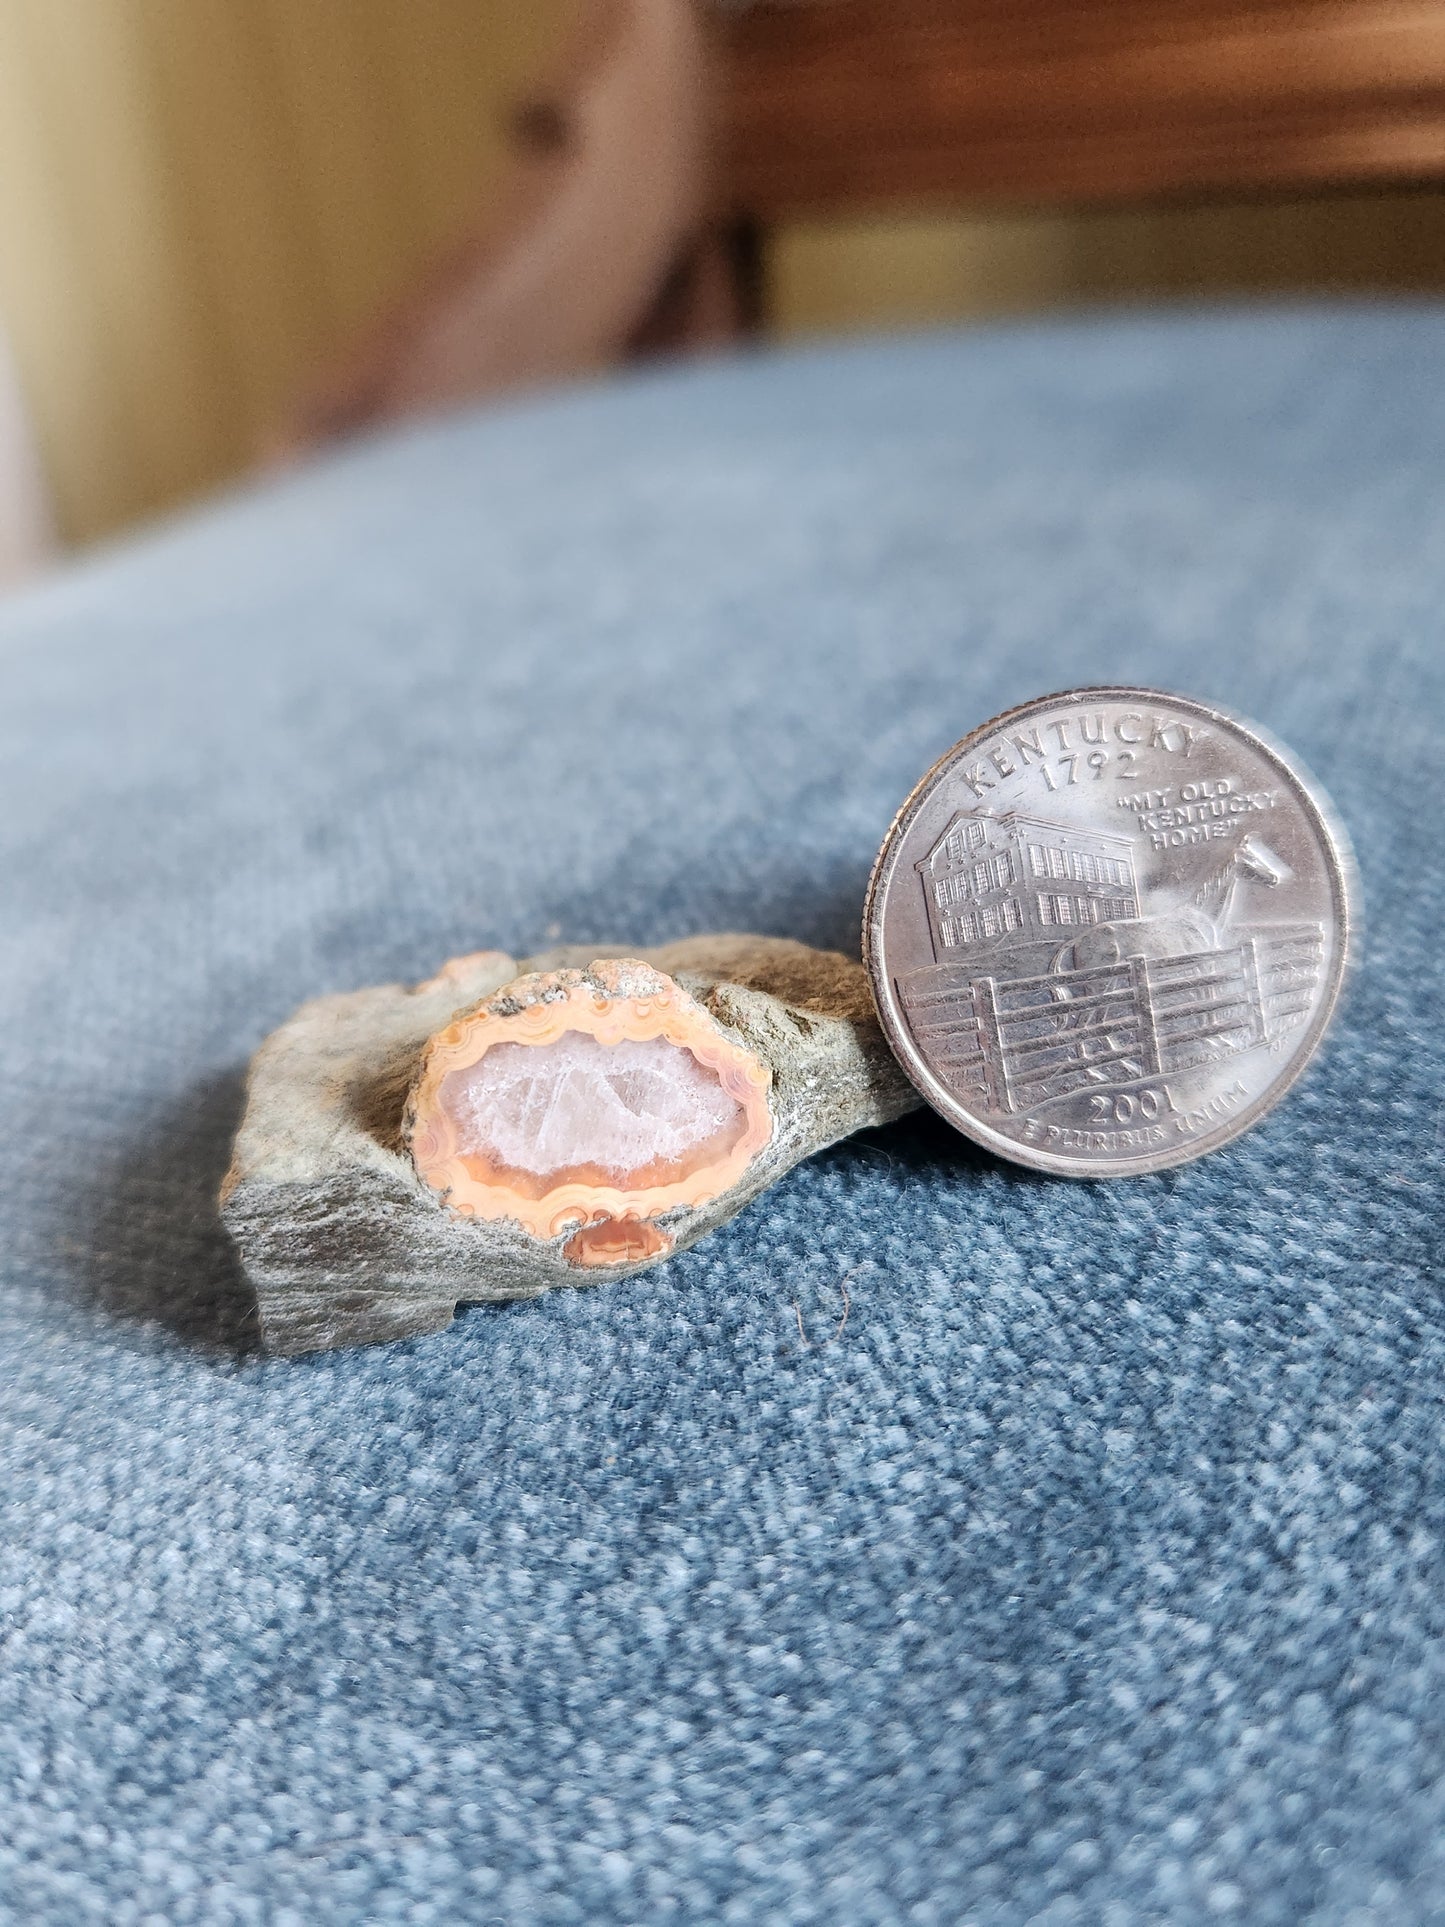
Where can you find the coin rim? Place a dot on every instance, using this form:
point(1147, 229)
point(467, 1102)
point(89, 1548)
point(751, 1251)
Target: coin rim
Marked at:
point(1344, 885)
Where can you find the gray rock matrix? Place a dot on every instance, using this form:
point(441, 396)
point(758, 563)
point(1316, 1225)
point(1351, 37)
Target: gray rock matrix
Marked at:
point(343, 1243)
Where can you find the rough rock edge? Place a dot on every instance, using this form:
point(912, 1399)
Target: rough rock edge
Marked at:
point(342, 1242)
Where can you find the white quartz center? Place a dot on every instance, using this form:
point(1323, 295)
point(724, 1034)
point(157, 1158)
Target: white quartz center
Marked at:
point(545, 1108)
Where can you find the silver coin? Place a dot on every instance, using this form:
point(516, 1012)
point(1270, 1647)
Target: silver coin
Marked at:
point(1107, 931)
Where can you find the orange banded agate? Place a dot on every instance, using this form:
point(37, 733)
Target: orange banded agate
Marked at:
point(591, 1102)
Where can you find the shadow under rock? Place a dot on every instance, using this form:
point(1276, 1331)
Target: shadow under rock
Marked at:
point(154, 1248)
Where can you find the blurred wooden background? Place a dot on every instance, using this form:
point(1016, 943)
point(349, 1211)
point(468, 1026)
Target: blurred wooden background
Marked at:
point(203, 200)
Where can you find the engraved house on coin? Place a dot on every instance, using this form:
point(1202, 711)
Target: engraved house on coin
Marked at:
point(1049, 980)
point(1022, 878)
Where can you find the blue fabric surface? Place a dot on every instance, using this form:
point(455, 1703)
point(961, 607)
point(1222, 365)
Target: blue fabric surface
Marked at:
point(1092, 1571)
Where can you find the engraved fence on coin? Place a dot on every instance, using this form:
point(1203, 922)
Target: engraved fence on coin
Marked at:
point(1022, 1043)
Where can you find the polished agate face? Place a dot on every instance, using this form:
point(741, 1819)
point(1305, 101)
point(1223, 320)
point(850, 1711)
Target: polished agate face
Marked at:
point(643, 1109)
point(588, 1102)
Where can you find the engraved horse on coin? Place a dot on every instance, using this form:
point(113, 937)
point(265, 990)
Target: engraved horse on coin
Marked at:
point(1198, 922)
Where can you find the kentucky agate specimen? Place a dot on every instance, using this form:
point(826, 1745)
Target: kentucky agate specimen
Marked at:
point(588, 1101)
point(505, 1128)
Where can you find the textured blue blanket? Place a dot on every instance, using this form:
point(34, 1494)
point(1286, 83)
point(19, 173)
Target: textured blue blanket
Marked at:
point(1092, 1571)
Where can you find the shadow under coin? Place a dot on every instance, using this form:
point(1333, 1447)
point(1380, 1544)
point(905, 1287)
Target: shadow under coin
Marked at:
point(925, 1146)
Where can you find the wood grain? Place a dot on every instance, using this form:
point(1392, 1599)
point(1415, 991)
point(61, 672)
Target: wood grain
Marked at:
point(862, 103)
point(202, 200)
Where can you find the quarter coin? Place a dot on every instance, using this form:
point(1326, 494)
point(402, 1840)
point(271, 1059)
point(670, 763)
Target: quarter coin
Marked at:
point(1107, 930)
